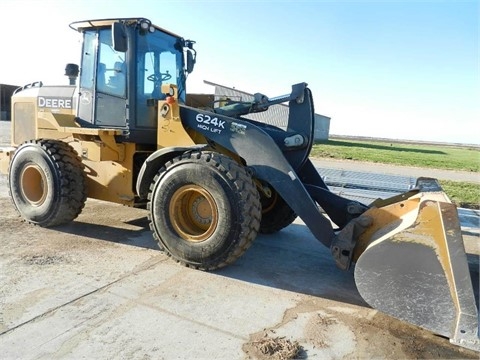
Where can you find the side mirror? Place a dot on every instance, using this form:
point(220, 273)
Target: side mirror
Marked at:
point(119, 37)
point(190, 61)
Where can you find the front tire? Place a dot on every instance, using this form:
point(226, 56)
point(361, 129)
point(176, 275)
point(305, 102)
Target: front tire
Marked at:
point(204, 210)
point(47, 183)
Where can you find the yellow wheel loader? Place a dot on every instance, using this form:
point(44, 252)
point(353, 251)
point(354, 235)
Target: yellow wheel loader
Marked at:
point(211, 179)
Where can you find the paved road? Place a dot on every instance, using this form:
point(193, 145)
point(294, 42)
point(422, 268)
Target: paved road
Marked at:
point(374, 168)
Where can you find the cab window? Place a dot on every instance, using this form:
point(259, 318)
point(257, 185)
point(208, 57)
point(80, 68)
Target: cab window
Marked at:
point(111, 67)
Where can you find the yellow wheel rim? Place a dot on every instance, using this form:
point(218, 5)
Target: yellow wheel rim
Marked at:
point(33, 184)
point(270, 203)
point(194, 213)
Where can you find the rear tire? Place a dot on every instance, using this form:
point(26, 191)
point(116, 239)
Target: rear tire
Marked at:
point(47, 183)
point(276, 214)
point(204, 210)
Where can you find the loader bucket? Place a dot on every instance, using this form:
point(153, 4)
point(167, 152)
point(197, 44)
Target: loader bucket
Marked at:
point(411, 264)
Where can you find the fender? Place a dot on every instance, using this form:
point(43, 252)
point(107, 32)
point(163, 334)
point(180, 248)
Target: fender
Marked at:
point(154, 162)
point(264, 157)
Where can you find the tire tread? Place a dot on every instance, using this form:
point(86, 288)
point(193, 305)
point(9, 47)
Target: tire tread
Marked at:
point(72, 178)
point(249, 196)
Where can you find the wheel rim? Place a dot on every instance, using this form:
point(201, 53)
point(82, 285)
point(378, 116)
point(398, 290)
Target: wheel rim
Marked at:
point(269, 203)
point(33, 184)
point(194, 213)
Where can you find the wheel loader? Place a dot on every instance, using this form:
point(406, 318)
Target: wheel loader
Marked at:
point(211, 179)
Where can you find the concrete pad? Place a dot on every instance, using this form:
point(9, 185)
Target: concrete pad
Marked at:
point(148, 320)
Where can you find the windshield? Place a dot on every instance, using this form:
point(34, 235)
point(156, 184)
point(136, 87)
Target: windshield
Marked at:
point(159, 61)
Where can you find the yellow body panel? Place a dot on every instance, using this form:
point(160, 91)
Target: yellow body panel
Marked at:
point(108, 165)
point(99, 146)
point(170, 130)
point(49, 120)
point(110, 180)
point(29, 119)
point(5, 157)
point(393, 217)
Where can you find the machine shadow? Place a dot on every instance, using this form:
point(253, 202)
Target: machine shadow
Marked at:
point(294, 260)
point(137, 235)
point(291, 259)
point(474, 268)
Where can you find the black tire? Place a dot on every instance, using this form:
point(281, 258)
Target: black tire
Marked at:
point(276, 214)
point(46, 182)
point(204, 210)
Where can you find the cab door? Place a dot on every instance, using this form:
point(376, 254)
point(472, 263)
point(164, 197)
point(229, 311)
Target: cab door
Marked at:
point(111, 84)
point(87, 78)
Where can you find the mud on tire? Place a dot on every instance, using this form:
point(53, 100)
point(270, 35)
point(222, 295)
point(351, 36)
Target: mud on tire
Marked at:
point(204, 209)
point(46, 182)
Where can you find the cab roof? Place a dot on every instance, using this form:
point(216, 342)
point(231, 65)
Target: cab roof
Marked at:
point(98, 23)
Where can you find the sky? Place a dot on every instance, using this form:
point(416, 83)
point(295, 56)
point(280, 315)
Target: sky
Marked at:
point(392, 69)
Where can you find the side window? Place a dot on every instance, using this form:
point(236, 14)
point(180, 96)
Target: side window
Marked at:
point(88, 60)
point(111, 67)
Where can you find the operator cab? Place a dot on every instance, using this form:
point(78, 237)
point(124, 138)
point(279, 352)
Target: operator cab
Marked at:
point(123, 66)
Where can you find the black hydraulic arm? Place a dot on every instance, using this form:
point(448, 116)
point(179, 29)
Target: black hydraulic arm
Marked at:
point(260, 102)
point(266, 161)
point(340, 210)
point(294, 178)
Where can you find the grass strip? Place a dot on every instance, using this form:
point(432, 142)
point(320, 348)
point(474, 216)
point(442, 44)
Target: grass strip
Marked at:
point(460, 158)
point(462, 194)
point(418, 155)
